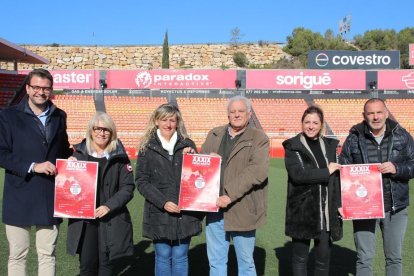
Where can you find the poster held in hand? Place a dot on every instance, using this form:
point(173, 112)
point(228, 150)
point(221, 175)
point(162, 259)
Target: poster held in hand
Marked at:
point(75, 189)
point(361, 190)
point(200, 182)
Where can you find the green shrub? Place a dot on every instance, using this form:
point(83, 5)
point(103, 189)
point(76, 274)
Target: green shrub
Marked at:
point(240, 59)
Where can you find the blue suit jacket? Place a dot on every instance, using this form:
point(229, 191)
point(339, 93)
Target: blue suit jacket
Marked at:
point(28, 198)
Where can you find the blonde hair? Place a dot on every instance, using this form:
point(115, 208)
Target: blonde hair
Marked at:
point(163, 111)
point(104, 119)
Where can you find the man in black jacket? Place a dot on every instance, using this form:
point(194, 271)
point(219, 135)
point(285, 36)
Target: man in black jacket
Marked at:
point(32, 135)
point(379, 139)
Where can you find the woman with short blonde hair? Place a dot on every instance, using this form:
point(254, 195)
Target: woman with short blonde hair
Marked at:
point(158, 177)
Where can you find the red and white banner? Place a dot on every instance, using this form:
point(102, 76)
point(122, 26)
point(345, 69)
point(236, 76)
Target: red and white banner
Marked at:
point(200, 182)
point(306, 79)
point(75, 189)
point(396, 79)
point(361, 190)
point(73, 79)
point(411, 54)
point(171, 79)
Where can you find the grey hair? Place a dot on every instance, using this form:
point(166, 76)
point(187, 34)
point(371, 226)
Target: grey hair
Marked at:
point(237, 99)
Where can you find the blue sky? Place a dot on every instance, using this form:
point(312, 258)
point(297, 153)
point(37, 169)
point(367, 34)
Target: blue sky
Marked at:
point(134, 22)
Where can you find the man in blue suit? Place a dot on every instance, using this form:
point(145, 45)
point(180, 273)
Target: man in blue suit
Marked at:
point(32, 135)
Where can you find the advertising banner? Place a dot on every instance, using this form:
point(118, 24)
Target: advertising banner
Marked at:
point(335, 59)
point(75, 189)
point(171, 79)
point(396, 79)
point(200, 182)
point(361, 189)
point(72, 79)
point(305, 79)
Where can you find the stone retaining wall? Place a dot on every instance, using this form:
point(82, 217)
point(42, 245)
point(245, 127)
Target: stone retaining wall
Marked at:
point(196, 56)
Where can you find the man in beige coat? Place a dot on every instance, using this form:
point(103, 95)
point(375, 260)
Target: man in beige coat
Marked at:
point(243, 194)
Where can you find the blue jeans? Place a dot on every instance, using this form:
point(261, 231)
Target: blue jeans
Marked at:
point(393, 228)
point(171, 257)
point(218, 242)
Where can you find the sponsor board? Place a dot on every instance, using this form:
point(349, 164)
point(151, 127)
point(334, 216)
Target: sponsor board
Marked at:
point(396, 79)
point(305, 79)
point(171, 79)
point(72, 79)
point(332, 59)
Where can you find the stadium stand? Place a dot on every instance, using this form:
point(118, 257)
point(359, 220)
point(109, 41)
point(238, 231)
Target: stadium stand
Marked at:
point(201, 115)
point(79, 109)
point(9, 85)
point(341, 114)
point(273, 115)
point(402, 110)
point(131, 115)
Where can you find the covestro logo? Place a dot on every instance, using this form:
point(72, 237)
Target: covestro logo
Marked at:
point(332, 59)
point(322, 60)
point(361, 60)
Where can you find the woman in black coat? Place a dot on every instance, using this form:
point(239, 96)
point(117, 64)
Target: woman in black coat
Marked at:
point(108, 237)
point(158, 177)
point(313, 193)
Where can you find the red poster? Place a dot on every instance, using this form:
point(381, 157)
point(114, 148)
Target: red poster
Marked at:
point(200, 182)
point(361, 188)
point(75, 189)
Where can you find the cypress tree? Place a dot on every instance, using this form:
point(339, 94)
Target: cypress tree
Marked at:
point(165, 53)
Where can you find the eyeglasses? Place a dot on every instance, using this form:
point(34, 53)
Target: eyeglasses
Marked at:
point(98, 130)
point(39, 88)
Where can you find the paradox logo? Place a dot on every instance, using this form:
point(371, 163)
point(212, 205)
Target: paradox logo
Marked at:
point(143, 80)
point(409, 80)
point(322, 59)
point(358, 170)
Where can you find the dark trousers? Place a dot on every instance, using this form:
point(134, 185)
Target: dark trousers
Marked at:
point(92, 261)
point(300, 254)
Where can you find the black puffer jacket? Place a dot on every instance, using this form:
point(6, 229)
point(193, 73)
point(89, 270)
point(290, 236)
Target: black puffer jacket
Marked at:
point(400, 153)
point(158, 179)
point(305, 181)
point(115, 229)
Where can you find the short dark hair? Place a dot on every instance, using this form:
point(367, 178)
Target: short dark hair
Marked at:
point(373, 100)
point(314, 109)
point(40, 72)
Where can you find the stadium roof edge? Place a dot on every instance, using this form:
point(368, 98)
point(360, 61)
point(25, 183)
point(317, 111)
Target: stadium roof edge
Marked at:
point(11, 52)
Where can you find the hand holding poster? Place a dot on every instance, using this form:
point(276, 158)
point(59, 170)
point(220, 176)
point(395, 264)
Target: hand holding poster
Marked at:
point(75, 189)
point(361, 189)
point(200, 182)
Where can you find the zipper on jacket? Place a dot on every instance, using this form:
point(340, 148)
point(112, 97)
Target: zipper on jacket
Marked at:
point(391, 184)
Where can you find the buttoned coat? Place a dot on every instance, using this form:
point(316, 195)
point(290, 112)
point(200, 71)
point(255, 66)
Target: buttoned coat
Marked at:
point(245, 177)
point(29, 197)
